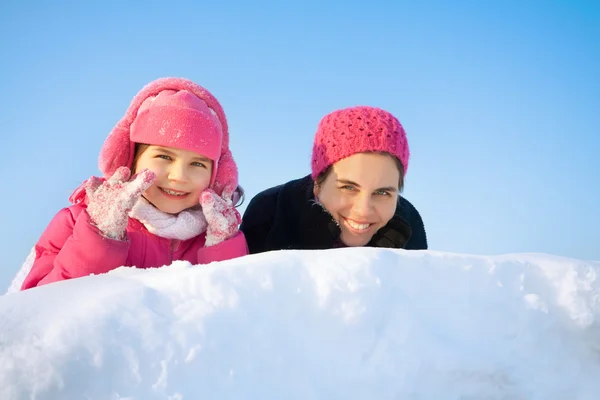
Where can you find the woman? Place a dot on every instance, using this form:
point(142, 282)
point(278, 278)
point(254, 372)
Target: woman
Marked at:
point(351, 198)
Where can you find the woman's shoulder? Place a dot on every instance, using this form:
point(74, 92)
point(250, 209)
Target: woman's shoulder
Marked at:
point(408, 212)
point(405, 208)
point(272, 206)
point(272, 195)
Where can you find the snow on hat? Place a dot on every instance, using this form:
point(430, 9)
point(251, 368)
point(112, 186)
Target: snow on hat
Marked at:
point(353, 130)
point(173, 112)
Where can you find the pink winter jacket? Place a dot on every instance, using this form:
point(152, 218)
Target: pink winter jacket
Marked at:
point(72, 247)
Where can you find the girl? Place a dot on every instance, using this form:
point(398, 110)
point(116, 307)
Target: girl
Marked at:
point(359, 161)
point(169, 194)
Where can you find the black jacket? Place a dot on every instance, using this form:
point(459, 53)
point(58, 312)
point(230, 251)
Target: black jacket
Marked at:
point(287, 217)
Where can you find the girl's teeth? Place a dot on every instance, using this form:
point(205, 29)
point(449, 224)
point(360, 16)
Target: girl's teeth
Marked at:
point(173, 193)
point(356, 226)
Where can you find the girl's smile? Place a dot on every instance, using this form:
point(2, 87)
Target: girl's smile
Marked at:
point(181, 175)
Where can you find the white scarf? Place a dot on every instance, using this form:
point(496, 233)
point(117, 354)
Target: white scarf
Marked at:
point(185, 225)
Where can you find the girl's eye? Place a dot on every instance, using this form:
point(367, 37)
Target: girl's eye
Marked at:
point(198, 164)
point(164, 157)
point(347, 187)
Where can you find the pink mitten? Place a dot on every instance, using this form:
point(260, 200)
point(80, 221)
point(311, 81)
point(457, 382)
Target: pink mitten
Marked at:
point(222, 217)
point(109, 202)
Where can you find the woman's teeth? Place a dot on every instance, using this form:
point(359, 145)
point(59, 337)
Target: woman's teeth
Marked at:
point(357, 226)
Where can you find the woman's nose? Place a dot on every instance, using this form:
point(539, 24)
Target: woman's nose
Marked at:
point(362, 205)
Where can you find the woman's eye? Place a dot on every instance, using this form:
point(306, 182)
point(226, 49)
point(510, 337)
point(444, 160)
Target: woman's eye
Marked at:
point(347, 187)
point(164, 157)
point(382, 193)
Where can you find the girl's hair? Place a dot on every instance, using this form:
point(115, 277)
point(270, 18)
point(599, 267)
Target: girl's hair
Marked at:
point(140, 148)
point(323, 175)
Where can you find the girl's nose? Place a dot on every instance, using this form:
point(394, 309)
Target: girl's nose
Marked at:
point(177, 172)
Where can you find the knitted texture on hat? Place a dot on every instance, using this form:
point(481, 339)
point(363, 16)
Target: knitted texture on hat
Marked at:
point(353, 130)
point(119, 146)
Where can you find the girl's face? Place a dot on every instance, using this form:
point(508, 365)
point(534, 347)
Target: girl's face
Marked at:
point(360, 193)
point(181, 175)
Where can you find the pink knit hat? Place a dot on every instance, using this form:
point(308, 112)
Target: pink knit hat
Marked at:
point(173, 112)
point(346, 132)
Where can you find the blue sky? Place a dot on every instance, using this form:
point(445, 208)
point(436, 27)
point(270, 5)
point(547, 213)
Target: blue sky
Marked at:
point(499, 100)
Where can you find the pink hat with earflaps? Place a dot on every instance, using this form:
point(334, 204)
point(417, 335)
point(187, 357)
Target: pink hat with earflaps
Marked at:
point(173, 112)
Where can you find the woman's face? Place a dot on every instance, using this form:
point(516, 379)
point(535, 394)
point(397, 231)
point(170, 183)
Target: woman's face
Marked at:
point(360, 193)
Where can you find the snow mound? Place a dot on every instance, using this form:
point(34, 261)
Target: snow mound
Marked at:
point(355, 323)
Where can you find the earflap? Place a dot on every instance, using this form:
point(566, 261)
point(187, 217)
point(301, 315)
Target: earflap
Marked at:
point(117, 150)
point(227, 173)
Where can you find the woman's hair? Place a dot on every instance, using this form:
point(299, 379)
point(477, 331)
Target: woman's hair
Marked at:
point(140, 148)
point(323, 175)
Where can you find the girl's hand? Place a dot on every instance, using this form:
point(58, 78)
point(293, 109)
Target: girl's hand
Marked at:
point(110, 202)
point(222, 217)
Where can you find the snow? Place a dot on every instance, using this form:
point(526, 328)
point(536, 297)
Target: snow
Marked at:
point(17, 281)
point(355, 323)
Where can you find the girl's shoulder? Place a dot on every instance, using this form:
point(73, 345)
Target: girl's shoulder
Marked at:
point(76, 209)
point(68, 215)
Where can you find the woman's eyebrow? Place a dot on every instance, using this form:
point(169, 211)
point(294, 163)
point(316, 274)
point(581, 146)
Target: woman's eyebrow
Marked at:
point(347, 182)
